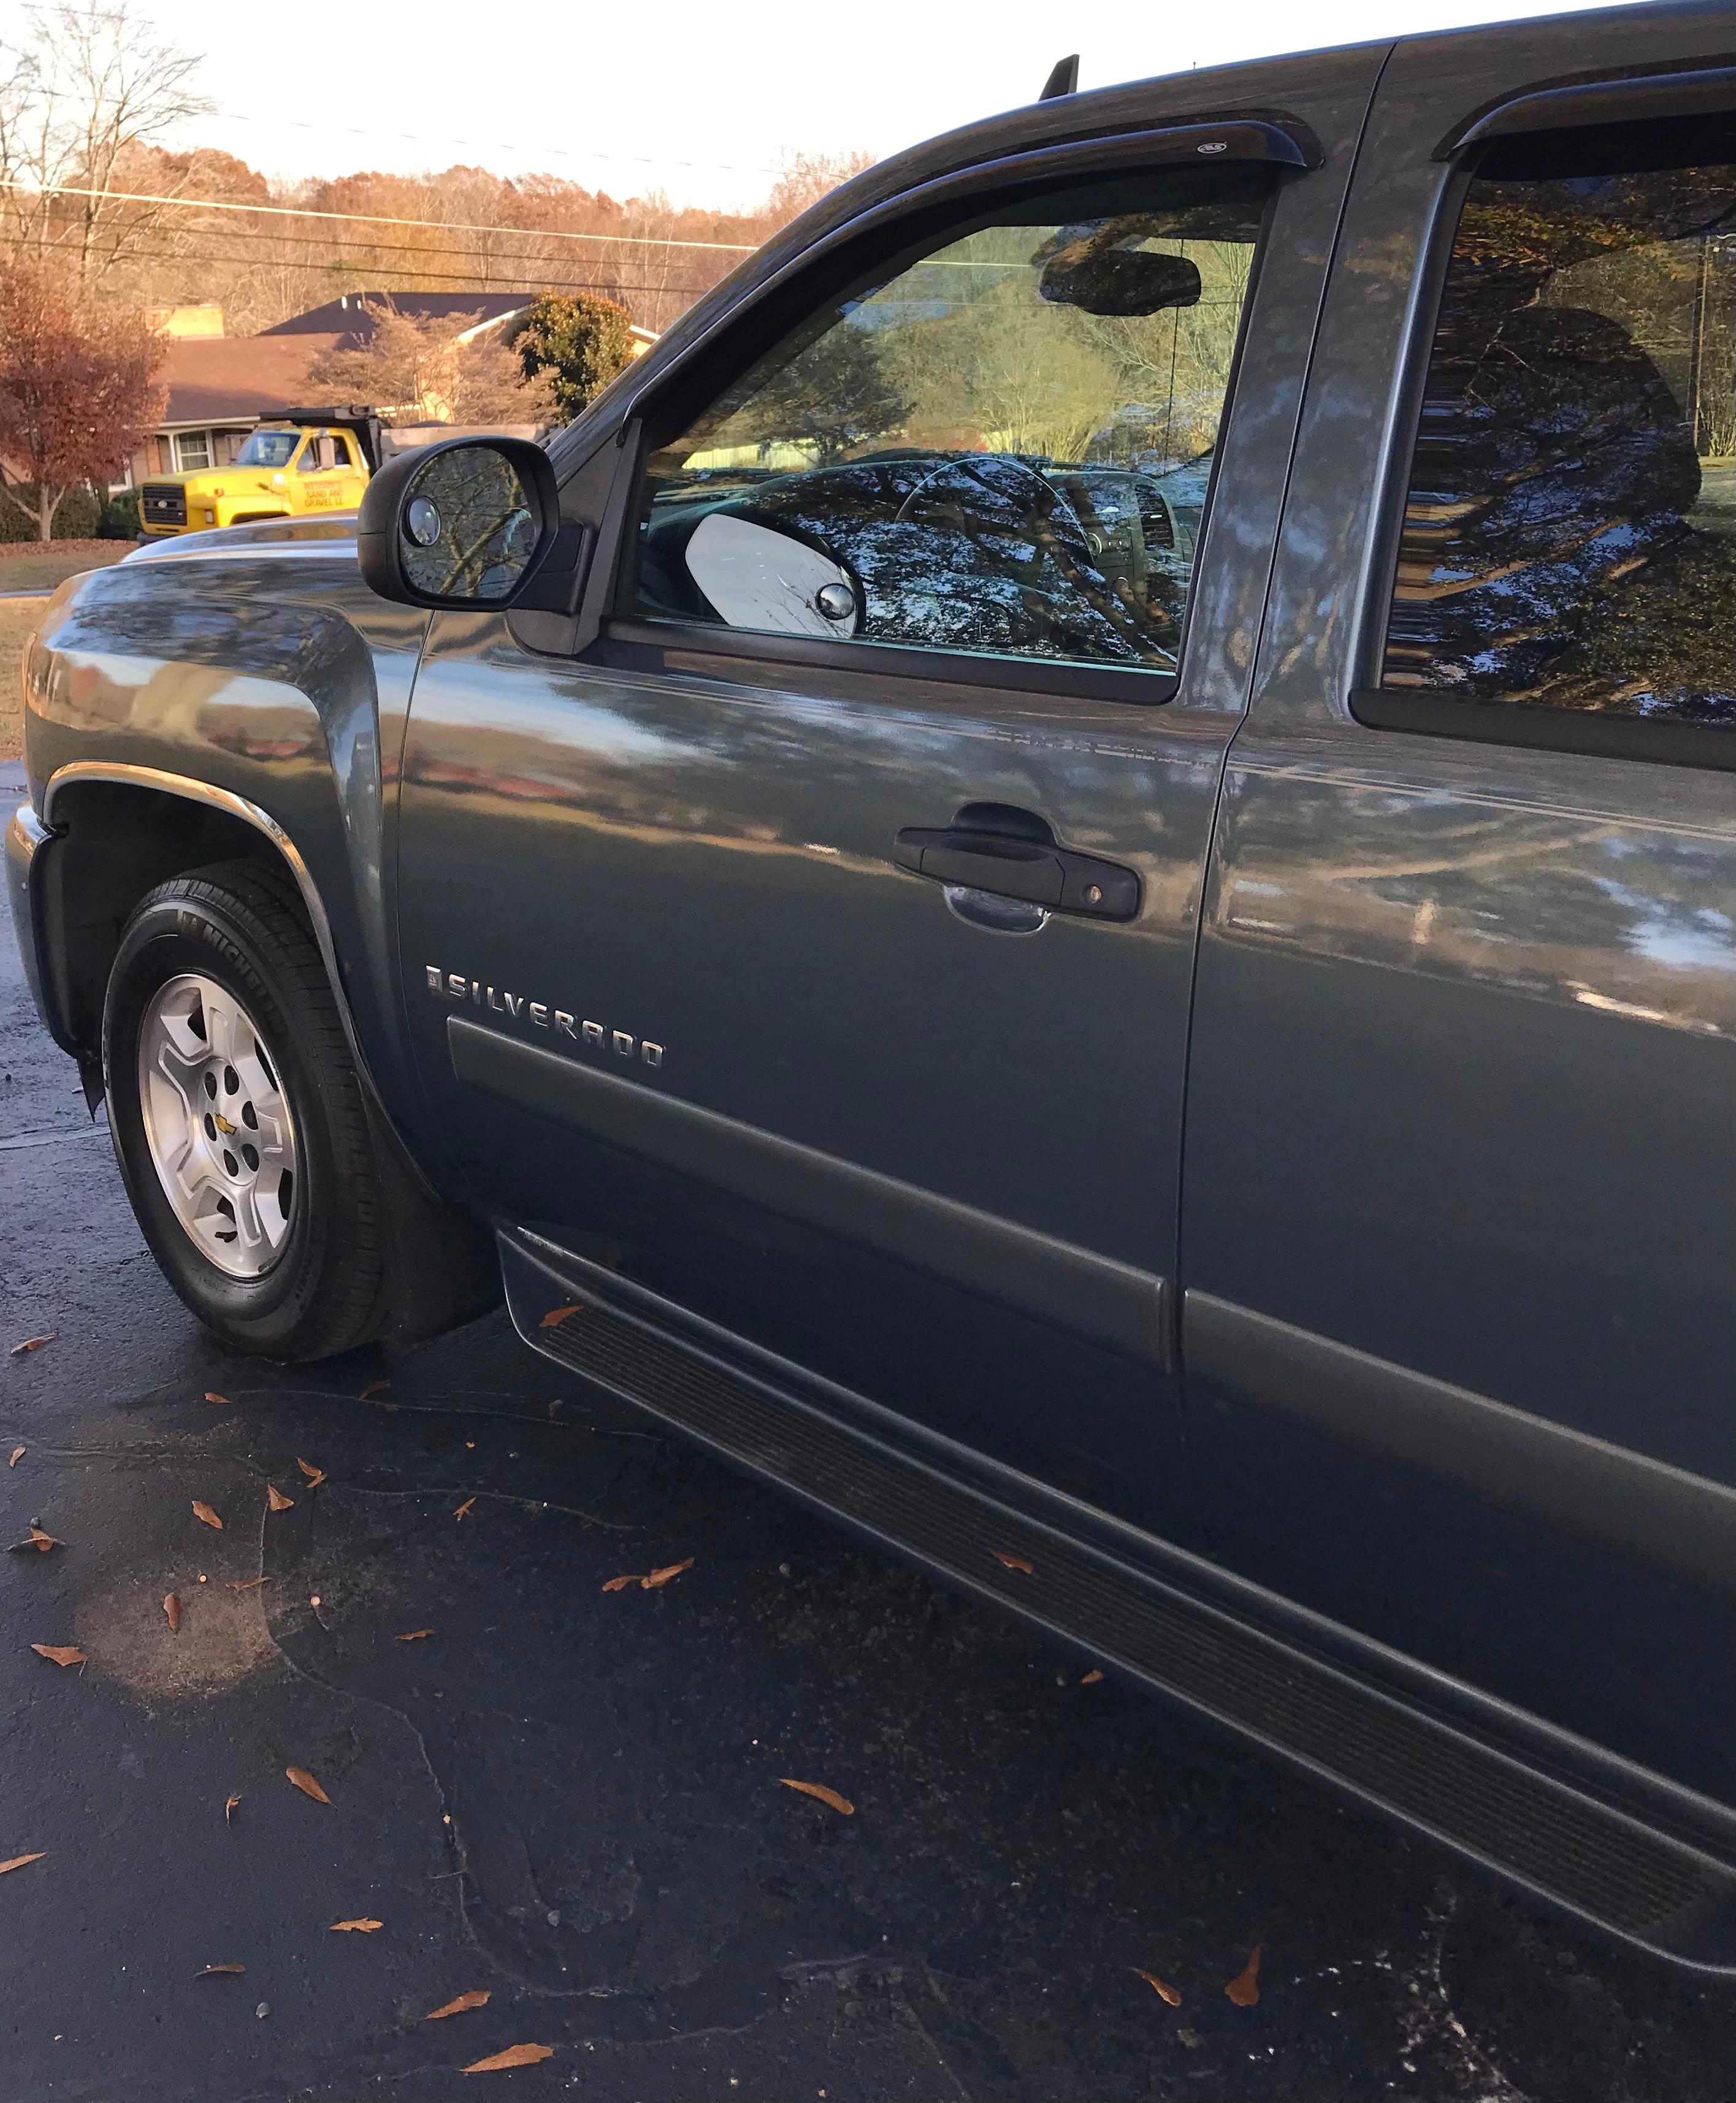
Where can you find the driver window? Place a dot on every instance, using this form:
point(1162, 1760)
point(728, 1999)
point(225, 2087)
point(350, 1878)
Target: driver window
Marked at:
point(999, 446)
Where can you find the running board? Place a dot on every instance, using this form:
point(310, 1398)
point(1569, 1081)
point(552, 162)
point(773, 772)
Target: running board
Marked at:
point(1575, 1851)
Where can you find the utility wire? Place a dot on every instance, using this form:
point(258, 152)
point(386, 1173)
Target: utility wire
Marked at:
point(375, 217)
point(525, 284)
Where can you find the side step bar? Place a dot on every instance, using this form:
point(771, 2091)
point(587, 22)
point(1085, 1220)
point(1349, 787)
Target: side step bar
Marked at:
point(1576, 1852)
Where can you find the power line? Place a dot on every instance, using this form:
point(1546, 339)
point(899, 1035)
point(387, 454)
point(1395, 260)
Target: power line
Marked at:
point(376, 219)
point(526, 283)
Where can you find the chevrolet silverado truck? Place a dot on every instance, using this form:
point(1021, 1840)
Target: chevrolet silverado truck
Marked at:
point(1066, 878)
point(310, 461)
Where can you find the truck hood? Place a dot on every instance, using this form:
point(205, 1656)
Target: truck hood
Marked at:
point(206, 482)
point(324, 526)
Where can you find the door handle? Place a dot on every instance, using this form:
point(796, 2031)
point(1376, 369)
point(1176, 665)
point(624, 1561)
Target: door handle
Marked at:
point(1033, 870)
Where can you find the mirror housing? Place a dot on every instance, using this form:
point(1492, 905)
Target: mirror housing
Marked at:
point(1119, 281)
point(470, 524)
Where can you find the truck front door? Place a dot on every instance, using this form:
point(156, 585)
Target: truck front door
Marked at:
point(816, 950)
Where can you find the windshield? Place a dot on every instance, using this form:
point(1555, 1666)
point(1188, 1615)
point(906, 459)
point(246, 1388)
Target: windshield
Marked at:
point(268, 449)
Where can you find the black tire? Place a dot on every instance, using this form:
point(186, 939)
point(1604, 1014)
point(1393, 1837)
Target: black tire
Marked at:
point(241, 925)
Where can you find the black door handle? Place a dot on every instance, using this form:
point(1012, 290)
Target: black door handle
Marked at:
point(1033, 870)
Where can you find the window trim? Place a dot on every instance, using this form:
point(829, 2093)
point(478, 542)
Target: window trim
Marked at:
point(653, 412)
point(1431, 712)
point(1673, 88)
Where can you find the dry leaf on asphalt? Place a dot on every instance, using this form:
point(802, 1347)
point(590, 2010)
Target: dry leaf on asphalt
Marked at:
point(315, 1476)
point(210, 1395)
point(275, 1499)
point(662, 1577)
point(620, 1584)
point(60, 1653)
point(247, 1583)
point(18, 1454)
point(42, 1542)
point(172, 1608)
point(825, 1796)
point(556, 1315)
point(306, 1784)
point(33, 1343)
point(415, 1635)
point(1091, 1678)
point(206, 1515)
point(229, 1809)
point(356, 1926)
point(221, 1972)
point(18, 1861)
point(1163, 1991)
point(515, 2055)
point(1013, 1561)
point(464, 1508)
point(477, 1997)
point(1244, 1988)
point(374, 1387)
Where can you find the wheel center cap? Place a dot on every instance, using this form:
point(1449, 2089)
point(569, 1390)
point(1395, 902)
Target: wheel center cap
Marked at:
point(223, 1122)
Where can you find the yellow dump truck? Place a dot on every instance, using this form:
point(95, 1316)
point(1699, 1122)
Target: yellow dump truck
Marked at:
point(307, 460)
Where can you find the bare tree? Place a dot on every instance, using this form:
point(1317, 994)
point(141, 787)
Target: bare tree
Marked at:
point(82, 88)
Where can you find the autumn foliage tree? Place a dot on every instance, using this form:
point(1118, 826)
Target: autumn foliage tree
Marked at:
point(447, 368)
point(79, 389)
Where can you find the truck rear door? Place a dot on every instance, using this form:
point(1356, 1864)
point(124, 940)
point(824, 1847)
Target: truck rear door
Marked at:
point(1460, 1288)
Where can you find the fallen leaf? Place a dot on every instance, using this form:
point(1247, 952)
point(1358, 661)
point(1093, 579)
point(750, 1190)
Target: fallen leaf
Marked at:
point(1091, 1678)
point(1013, 1561)
point(620, 1584)
point(206, 1515)
point(374, 1387)
point(415, 1635)
point(275, 1499)
point(1163, 1991)
point(356, 1926)
point(38, 1540)
point(247, 1583)
point(221, 1972)
point(18, 1454)
point(1244, 1988)
point(172, 1608)
point(34, 1343)
point(18, 1861)
point(478, 1998)
point(515, 2055)
point(556, 1315)
point(61, 1653)
point(825, 1796)
point(210, 1397)
point(315, 1476)
point(662, 1577)
point(306, 1784)
point(464, 1508)
point(229, 1809)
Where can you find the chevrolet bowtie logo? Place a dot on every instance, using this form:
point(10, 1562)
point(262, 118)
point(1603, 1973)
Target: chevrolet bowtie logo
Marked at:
point(223, 1123)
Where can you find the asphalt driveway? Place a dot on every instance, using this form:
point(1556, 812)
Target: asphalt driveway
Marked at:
point(571, 1798)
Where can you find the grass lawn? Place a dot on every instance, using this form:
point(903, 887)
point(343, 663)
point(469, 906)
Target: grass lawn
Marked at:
point(28, 566)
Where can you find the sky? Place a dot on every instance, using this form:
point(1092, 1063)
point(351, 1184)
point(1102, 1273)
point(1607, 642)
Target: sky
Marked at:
point(703, 98)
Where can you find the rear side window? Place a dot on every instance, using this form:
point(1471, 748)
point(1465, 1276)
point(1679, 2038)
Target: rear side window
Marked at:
point(1001, 446)
point(1569, 532)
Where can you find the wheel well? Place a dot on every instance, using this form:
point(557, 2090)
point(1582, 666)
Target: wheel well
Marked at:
point(115, 842)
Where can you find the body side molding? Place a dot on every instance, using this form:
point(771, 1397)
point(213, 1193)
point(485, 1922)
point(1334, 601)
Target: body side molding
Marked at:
point(1683, 1522)
point(1108, 1302)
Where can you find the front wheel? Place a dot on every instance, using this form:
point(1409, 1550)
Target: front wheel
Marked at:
point(239, 1120)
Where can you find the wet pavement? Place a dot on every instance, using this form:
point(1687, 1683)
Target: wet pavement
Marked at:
point(571, 1798)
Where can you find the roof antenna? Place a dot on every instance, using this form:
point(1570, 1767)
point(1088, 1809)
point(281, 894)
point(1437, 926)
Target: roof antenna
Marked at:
point(1062, 80)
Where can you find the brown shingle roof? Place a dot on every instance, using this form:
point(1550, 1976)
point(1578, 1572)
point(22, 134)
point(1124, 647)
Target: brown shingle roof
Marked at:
point(211, 379)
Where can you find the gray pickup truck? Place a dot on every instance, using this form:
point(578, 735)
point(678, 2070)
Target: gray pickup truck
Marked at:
point(1067, 879)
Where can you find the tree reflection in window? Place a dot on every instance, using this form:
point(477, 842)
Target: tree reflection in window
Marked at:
point(1569, 536)
point(998, 469)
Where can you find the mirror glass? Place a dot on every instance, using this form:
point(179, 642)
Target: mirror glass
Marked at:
point(756, 577)
point(466, 529)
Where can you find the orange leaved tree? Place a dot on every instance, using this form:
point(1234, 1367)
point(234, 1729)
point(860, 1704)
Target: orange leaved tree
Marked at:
point(79, 389)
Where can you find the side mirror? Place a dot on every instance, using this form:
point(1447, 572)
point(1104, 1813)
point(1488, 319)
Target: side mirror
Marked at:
point(758, 577)
point(467, 523)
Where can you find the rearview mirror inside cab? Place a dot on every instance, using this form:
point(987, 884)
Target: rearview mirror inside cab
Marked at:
point(1099, 275)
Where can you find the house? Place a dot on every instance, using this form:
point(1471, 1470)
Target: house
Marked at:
point(220, 387)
